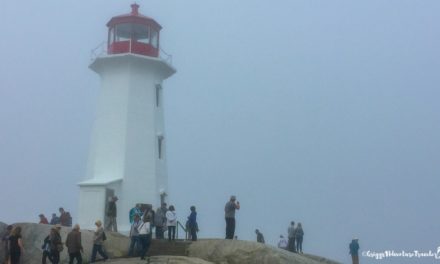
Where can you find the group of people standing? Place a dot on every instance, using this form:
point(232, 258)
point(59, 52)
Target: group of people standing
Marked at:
point(295, 238)
point(143, 221)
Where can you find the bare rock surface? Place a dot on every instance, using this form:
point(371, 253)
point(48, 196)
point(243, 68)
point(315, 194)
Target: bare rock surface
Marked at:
point(161, 260)
point(33, 235)
point(222, 251)
point(205, 251)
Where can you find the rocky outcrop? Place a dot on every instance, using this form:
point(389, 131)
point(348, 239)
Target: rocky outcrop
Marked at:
point(162, 260)
point(206, 251)
point(222, 251)
point(116, 244)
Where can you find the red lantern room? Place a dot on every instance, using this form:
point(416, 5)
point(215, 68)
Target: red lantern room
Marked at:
point(133, 33)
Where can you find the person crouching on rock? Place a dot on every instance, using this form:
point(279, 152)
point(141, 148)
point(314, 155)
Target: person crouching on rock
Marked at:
point(56, 245)
point(145, 235)
point(74, 246)
point(98, 241)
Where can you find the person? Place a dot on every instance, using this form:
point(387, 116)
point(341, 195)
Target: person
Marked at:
point(230, 208)
point(134, 235)
point(74, 245)
point(171, 222)
point(354, 251)
point(56, 244)
point(15, 245)
point(98, 241)
point(46, 250)
point(291, 237)
point(43, 220)
point(260, 237)
point(282, 243)
point(65, 218)
point(5, 241)
point(299, 234)
point(111, 215)
point(55, 219)
point(160, 221)
point(145, 235)
point(133, 212)
point(192, 223)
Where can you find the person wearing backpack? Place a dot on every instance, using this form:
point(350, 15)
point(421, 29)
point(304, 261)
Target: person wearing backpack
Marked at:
point(56, 244)
point(98, 241)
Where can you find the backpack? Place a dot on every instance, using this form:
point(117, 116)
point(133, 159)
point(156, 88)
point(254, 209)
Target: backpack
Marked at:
point(104, 237)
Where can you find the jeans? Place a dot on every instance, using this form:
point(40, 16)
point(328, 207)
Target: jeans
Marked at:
point(112, 225)
point(55, 256)
point(230, 227)
point(134, 244)
point(193, 231)
point(75, 255)
point(355, 259)
point(159, 232)
point(46, 255)
point(299, 244)
point(172, 232)
point(98, 249)
point(145, 242)
point(291, 245)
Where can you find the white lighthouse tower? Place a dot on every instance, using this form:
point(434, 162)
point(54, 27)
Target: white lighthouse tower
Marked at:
point(127, 153)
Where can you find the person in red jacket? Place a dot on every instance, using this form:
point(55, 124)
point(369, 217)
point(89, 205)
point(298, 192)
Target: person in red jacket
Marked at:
point(43, 219)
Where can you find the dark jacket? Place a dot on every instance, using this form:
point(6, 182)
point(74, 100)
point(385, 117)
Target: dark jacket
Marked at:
point(55, 240)
point(111, 210)
point(73, 242)
point(354, 247)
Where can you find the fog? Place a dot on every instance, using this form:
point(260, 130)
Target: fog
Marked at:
point(321, 112)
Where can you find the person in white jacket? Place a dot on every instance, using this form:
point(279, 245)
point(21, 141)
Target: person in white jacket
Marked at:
point(171, 223)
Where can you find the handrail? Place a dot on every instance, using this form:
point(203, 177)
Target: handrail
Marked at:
point(184, 229)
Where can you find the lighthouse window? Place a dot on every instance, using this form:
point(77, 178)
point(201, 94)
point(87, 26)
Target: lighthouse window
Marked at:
point(158, 94)
point(141, 33)
point(160, 146)
point(123, 32)
point(154, 39)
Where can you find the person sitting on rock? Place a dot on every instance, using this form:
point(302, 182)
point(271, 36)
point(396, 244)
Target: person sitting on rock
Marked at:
point(282, 243)
point(65, 218)
point(55, 219)
point(260, 237)
point(43, 220)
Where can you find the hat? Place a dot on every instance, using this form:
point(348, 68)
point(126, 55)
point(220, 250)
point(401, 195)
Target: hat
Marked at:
point(233, 197)
point(98, 223)
point(41, 215)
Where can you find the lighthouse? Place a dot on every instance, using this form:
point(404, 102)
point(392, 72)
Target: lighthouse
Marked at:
point(127, 156)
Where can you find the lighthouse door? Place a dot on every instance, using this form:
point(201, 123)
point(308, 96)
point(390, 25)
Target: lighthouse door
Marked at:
point(109, 193)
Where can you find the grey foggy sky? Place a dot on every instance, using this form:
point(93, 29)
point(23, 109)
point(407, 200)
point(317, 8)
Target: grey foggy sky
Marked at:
point(323, 112)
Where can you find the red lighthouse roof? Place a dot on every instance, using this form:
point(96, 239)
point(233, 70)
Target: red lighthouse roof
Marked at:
point(133, 33)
